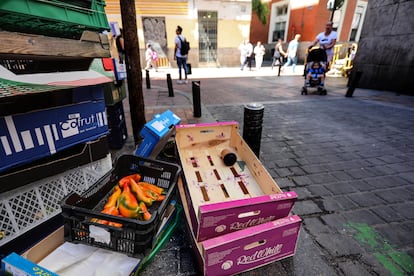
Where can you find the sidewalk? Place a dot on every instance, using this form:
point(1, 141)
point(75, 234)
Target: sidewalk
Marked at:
point(351, 161)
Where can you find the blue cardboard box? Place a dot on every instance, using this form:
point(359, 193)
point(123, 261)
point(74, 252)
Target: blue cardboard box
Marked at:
point(30, 136)
point(16, 265)
point(155, 130)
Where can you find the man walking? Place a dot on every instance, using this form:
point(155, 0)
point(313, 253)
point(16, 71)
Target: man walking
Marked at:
point(292, 53)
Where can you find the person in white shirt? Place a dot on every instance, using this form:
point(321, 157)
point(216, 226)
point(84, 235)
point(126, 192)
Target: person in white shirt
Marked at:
point(259, 51)
point(327, 41)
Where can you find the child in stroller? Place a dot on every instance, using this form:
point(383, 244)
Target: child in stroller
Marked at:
point(315, 69)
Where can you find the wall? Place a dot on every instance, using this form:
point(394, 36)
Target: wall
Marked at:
point(385, 53)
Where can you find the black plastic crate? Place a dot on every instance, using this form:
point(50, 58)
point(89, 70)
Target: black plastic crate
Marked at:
point(117, 135)
point(135, 236)
point(115, 114)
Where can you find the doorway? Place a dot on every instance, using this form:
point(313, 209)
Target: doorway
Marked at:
point(207, 45)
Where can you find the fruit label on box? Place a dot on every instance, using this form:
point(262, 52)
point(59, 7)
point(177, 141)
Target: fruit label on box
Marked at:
point(16, 265)
point(30, 136)
point(252, 247)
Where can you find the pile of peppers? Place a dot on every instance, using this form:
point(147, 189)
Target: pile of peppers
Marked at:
point(131, 198)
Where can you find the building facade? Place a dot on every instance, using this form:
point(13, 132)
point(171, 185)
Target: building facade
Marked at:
point(214, 28)
point(308, 18)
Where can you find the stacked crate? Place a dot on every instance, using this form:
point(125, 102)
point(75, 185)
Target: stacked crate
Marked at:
point(115, 93)
point(53, 125)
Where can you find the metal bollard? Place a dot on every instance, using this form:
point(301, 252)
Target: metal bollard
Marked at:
point(353, 82)
point(170, 87)
point(196, 99)
point(252, 126)
point(147, 79)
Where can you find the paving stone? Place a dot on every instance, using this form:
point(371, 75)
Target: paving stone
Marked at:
point(395, 234)
point(297, 171)
point(339, 245)
point(314, 225)
point(301, 180)
point(306, 207)
point(314, 168)
point(349, 156)
point(363, 216)
point(390, 181)
point(320, 190)
point(341, 175)
point(303, 161)
point(321, 178)
point(303, 193)
point(283, 163)
point(409, 176)
point(346, 203)
point(390, 159)
point(282, 172)
point(335, 221)
point(340, 188)
point(331, 204)
point(375, 161)
point(405, 209)
point(366, 199)
point(401, 167)
point(387, 213)
point(352, 267)
point(284, 183)
point(361, 185)
point(395, 195)
point(360, 173)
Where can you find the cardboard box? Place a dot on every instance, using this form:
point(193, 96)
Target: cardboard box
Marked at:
point(245, 249)
point(154, 131)
point(60, 162)
point(16, 265)
point(30, 136)
point(221, 198)
point(50, 253)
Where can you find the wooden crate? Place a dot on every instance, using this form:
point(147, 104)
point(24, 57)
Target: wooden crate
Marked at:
point(223, 199)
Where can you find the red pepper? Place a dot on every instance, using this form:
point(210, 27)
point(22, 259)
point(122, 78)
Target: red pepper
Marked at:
point(139, 193)
point(112, 200)
point(128, 204)
point(152, 187)
point(146, 215)
point(125, 180)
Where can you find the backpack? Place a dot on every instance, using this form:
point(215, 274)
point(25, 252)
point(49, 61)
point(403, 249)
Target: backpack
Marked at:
point(185, 46)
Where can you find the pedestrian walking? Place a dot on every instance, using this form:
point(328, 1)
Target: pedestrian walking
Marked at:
point(292, 53)
point(247, 52)
point(279, 54)
point(151, 57)
point(259, 51)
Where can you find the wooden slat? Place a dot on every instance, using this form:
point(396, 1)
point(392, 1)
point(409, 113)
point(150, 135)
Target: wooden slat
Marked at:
point(36, 45)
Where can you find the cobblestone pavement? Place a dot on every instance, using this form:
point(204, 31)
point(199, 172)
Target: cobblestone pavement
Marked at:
point(351, 161)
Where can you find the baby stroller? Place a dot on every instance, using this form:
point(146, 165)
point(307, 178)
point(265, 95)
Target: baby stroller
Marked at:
point(314, 75)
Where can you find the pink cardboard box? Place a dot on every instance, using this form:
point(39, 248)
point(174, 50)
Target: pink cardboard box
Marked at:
point(251, 247)
point(245, 249)
point(226, 198)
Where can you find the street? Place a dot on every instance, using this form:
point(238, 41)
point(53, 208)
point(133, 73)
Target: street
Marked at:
point(351, 161)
